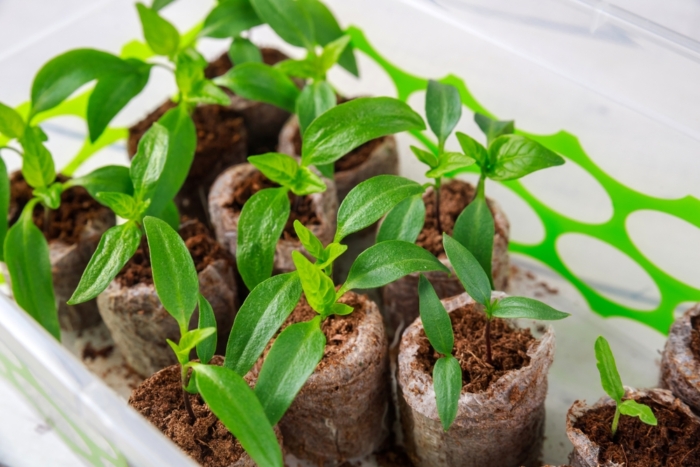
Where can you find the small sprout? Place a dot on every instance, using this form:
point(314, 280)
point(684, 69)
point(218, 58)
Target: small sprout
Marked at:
point(612, 384)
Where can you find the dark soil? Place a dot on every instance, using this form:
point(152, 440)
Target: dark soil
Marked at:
point(91, 353)
point(222, 64)
point(65, 223)
point(207, 441)
point(394, 456)
point(301, 207)
point(338, 329)
point(695, 337)
point(205, 250)
point(349, 161)
point(675, 442)
point(509, 349)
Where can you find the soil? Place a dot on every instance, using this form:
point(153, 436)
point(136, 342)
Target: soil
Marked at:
point(673, 443)
point(222, 64)
point(695, 337)
point(455, 195)
point(509, 347)
point(205, 250)
point(349, 161)
point(301, 210)
point(207, 441)
point(65, 223)
point(394, 456)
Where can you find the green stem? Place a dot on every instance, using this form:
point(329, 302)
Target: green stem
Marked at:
point(481, 186)
point(437, 205)
point(616, 420)
point(185, 396)
point(19, 153)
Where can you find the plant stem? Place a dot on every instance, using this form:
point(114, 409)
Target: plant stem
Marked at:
point(185, 396)
point(616, 420)
point(487, 339)
point(297, 204)
point(19, 153)
point(437, 205)
point(480, 186)
point(47, 220)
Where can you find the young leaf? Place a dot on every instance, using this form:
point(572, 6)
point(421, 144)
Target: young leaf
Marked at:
point(306, 68)
point(234, 403)
point(160, 4)
point(160, 35)
point(522, 307)
point(243, 51)
point(436, 321)
point(340, 309)
point(404, 222)
point(149, 161)
point(474, 149)
point(447, 382)
point(443, 109)
point(123, 205)
point(260, 82)
point(190, 340)
point(347, 126)
point(280, 168)
point(370, 200)
point(50, 196)
point(332, 52)
point(207, 347)
point(259, 229)
point(206, 92)
point(307, 182)
point(609, 377)
point(230, 18)
point(318, 287)
point(468, 270)
point(174, 275)
point(449, 162)
point(308, 240)
point(330, 254)
point(387, 261)
point(37, 164)
point(493, 128)
point(635, 409)
point(426, 157)
point(292, 359)
point(517, 156)
point(261, 315)
point(27, 259)
point(11, 122)
point(114, 178)
point(288, 19)
point(475, 230)
point(314, 100)
point(116, 247)
point(189, 69)
point(4, 205)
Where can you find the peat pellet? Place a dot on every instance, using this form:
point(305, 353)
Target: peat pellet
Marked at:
point(376, 157)
point(500, 418)
point(400, 298)
point(236, 185)
point(673, 442)
point(137, 320)
point(680, 364)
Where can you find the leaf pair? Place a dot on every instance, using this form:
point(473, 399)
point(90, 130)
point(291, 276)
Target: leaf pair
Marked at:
point(285, 170)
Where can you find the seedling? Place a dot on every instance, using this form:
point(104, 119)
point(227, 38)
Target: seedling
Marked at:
point(328, 138)
point(447, 373)
point(612, 384)
point(225, 392)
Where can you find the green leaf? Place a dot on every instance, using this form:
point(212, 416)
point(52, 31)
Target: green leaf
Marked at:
point(260, 82)
point(260, 226)
point(50, 196)
point(64, 74)
point(27, 259)
point(332, 52)
point(474, 149)
point(434, 317)
point(494, 128)
point(449, 162)
point(475, 230)
point(11, 122)
point(405, 221)
point(635, 409)
point(288, 19)
point(188, 341)
point(370, 200)
point(170, 215)
point(308, 240)
point(347, 126)
point(112, 93)
point(207, 347)
point(116, 247)
point(38, 168)
point(522, 307)
point(160, 35)
point(425, 157)
point(307, 182)
point(243, 51)
point(4, 205)
point(114, 178)
point(387, 261)
point(468, 270)
point(443, 109)
point(314, 100)
point(318, 287)
point(236, 405)
point(609, 377)
point(230, 18)
point(149, 161)
point(189, 70)
point(517, 156)
point(306, 68)
point(160, 4)
point(326, 30)
point(206, 92)
point(330, 254)
point(280, 168)
point(447, 381)
point(123, 205)
point(174, 275)
point(265, 309)
point(182, 143)
point(341, 309)
point(292, 359)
